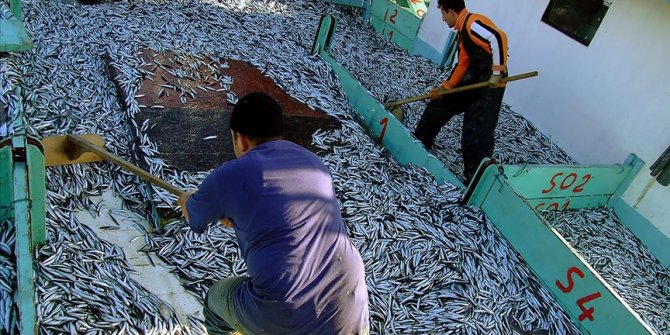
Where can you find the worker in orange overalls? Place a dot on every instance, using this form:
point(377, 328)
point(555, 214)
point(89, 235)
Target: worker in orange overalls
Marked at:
point(482, 56)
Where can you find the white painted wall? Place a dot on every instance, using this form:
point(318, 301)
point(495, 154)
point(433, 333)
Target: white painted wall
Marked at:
point(433, 30)
point(600, 102)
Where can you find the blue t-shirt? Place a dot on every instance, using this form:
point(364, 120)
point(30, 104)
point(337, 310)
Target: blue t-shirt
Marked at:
point(306, 276)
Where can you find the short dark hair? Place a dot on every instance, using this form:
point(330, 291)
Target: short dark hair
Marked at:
point(456, 5)
point(257, 116)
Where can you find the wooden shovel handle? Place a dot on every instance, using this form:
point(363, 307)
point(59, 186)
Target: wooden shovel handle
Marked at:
point(462, 88)
point(85, 145)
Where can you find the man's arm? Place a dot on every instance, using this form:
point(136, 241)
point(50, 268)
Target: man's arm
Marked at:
point(182, 203)
point(458, 72)
point(204, 205)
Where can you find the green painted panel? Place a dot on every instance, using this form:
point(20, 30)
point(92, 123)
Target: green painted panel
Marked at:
point(37, 189)
point(543, 181)
point(6, 182)
point(575, 285)
point(399, 18)
point(13, 36)
point(387, 129)
point(564, 180)
point(389, 34)
point(352, 3)
point(24, 259)
point(561, 203)
point(657, 242)
point(417, 7)
point(379, 26)
point(636, 165)
point(323, 38)
point(15, 7)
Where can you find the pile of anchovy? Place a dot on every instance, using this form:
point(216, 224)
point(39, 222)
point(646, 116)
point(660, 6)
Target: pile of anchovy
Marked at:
point(433, 265)
point(8, 309)
point(83, 283)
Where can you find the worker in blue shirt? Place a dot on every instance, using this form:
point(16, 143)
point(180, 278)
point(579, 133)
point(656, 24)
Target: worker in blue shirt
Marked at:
point(304, 274)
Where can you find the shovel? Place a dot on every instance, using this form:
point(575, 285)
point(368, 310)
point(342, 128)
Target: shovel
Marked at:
point(74, 149)
point(396, 110)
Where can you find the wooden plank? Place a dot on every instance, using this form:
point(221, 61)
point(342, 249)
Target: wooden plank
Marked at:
point(324, 34)
point(378, 25)
point(562, 187)
point(417, 7)
point(383, 125)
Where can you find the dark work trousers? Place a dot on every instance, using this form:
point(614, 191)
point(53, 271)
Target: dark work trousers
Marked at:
point(481, 109)
point(220, 314)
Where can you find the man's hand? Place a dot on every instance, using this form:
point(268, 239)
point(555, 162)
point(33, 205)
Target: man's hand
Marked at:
point(182, 202)
point(437, 93)
point(226, 223)
point(494, 81)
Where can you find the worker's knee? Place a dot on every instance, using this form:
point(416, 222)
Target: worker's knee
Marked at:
point(219, 312)
point(215, 324)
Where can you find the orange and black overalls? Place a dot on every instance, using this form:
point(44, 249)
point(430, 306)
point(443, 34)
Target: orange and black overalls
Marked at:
point(482, 51)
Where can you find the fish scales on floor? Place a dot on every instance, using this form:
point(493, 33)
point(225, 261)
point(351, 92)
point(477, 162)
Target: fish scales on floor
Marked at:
point(433, 265)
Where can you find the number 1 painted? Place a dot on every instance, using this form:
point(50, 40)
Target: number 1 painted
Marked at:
point(384, 122)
